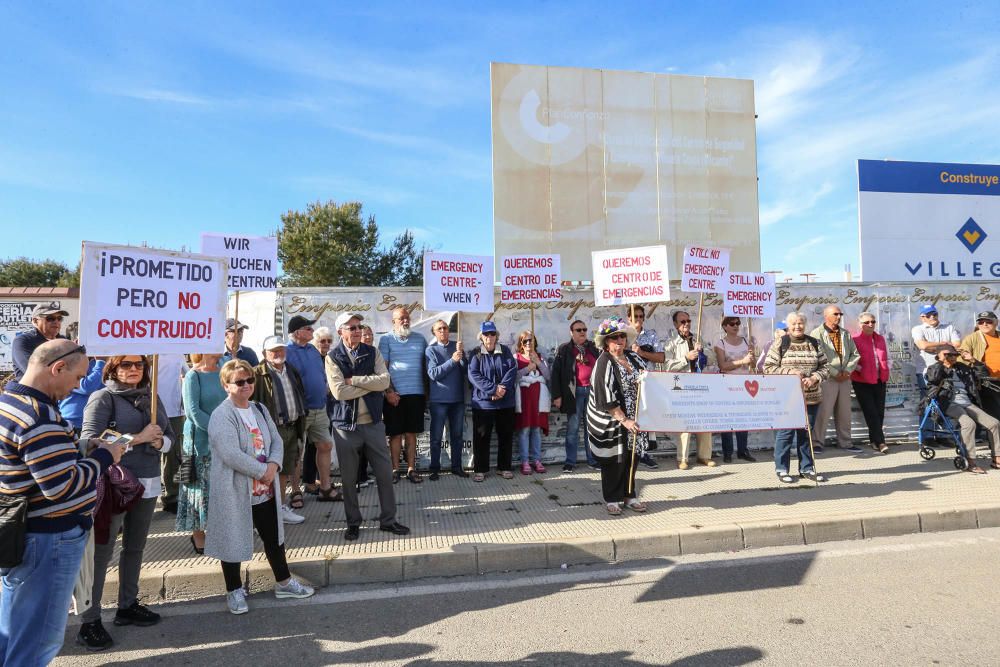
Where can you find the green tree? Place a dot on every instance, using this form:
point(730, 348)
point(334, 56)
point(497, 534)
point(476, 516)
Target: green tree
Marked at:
point(334, 245)
point(24, 272)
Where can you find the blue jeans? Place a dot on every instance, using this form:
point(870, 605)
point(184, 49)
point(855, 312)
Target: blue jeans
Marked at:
point(35, 597)
point(573, 429)
point(533, 437)
point(741, 442)
point(783, 441)
point(454, 415)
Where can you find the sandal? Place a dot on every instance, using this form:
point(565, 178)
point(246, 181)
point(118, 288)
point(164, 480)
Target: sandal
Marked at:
point(786, 478)
point(975, 470)
point(330, 495)
point(295, 501)
point(312, 489)
point(506, 474)
point(614, 509)
point(478, 477)
point(813, 476)
point(635, 505)
point(995, 464)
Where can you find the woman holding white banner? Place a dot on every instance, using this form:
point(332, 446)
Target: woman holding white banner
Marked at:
point(735, 355)
point(611, 410)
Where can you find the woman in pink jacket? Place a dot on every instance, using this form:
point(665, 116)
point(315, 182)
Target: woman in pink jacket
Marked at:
point(870, 377)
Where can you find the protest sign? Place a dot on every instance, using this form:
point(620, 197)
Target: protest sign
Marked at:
point(703, 269)
point(534, 278)
point(748, 294)
point(144, 301)
point(458, 282)
point(15, 317)
point(630, 275)
point(712, 403)
point(253, 260)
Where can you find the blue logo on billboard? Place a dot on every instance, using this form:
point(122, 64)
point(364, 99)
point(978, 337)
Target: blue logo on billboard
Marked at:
point(971, 235)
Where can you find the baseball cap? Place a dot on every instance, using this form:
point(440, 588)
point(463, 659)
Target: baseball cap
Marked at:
point(298, 322)
point(272, 342)
point(928, 308)
point(231, 325)
point(344, 318)
point(489, 326)
point(986, 315)
point(782, 326)
point(51, 308)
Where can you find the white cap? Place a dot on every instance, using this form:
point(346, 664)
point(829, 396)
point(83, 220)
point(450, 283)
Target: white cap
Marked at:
point(344, 318)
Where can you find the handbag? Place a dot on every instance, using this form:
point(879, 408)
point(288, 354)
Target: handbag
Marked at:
point(13, 520)
point(186, 471)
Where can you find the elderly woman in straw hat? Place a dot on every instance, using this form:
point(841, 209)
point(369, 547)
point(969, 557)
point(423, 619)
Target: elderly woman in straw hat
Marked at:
point(611, 412)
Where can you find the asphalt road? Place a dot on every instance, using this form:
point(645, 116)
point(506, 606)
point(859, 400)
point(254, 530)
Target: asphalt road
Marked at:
point(917, 600)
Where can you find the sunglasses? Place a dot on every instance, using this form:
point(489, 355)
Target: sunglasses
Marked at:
point(583, 330)
point(732, 324)
point(77, 350)
point(326, 340)
point(248, 381)
point(985, 321)
point(490, 333)
point(929, 315)
point(683, 321)
point(837, 314)
point(868, 322)
point(617, 336)
point(129, 365)
point(352, 327)
point(53, 318)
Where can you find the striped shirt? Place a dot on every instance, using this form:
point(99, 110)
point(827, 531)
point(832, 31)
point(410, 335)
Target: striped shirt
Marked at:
point(39, 459)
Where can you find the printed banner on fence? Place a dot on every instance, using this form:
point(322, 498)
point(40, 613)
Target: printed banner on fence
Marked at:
point(15, 317)
point(532, 278)
point(144, 301)
point(713, 403)
point(630, 275)
point(748, 294)
point(253, 260)
point(458, 282)
point(703, 269)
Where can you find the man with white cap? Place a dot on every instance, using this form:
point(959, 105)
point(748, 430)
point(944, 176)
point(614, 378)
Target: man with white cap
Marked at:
point(46, 320)
point(279, 388)
point(358, 378)
point(234, 344)
point(929, 337)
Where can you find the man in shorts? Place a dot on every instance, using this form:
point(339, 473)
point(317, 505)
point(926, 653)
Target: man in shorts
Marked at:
point(403, 352)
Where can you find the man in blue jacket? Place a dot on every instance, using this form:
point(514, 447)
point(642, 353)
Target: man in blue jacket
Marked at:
point(493, 375)
point(446, 368)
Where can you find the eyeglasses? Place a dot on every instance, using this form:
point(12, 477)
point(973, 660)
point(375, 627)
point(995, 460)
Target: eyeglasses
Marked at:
point(985, 321)
point(488, 334)
point(732, 324)
point(129, 365)
point(352, 327)
point(248, 381)
point(683, 321)
point(326, 340)
point(837, 314)
point(868, 323)
point(583, 330)
point(639, 317)
point(616, 336)
point(53, 318)
point(77, 350)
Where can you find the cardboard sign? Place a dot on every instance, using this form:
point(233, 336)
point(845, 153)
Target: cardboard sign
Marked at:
point(703, 269)
point(748, 294)
point(630, 275)
point(530, 278)
point(253, 260)
point(458, 282)
point(713, 403)
point(144, 301)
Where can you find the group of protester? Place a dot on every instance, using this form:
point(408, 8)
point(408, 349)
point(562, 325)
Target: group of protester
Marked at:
point(239, 441)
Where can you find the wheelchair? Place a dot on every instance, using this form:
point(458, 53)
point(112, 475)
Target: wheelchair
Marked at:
point(937, 422)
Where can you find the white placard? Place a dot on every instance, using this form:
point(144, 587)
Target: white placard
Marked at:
point(458, 282)
point(748, 294)
point(253, 260)
point(630, 275)
point(144, 301)
point(532, 278)
point(713, 403)
point(703, 269)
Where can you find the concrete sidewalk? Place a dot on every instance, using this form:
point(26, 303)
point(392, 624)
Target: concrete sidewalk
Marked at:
point(460, 527)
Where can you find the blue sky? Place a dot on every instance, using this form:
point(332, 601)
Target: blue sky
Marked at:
point(139, 121)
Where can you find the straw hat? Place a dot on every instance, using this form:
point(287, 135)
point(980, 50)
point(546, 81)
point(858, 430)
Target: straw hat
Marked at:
point(611, 326)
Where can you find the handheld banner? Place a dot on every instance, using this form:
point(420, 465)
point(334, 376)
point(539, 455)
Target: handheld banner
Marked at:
point(703, 269)
point(713, 403)
point(533, 278)
point(458, 282)
point(253, 260)
point(748, 295)
point(630, 275)
point(144, 301)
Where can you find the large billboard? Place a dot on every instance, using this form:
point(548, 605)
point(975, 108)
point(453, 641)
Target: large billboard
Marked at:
point(587, 160)
point(928, 221)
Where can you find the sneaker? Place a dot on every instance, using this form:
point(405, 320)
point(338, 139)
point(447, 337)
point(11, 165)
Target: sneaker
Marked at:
point(817, 448)
point(293, 588)
point(593, 466)
point(648, 461)
point(567, 468)
point(288, 516)
point(237, 602)
point(854, 449)
point(93, 636)
point(136, 615)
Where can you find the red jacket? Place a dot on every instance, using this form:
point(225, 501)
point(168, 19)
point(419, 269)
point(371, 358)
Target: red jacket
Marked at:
point(865, 372)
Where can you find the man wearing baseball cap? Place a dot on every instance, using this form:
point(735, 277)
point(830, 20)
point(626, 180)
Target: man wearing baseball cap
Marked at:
point(46, 318)
point(930, 336)
point(234, 344)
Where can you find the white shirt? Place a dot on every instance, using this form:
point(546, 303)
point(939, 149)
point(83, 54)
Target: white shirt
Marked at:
point(942, 333)
point(172, 368)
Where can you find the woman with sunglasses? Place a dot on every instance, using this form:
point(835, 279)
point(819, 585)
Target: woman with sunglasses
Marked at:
point(532, 402)
point(493, 375)
point(735, 355)
point(202, 394)
point(246, 458)
point(869, 379)
point(125, 406)
point(611, 410)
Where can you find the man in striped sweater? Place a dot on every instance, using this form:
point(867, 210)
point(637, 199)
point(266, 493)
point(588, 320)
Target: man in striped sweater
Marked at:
point(40, 460)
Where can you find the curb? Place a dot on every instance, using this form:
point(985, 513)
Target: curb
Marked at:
point(187, 583)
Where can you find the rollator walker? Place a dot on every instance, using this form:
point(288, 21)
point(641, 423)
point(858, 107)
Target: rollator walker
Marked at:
point(937, 422)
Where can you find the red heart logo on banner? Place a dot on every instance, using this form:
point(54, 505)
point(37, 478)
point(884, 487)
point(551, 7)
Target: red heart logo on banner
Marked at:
point(752, 387)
